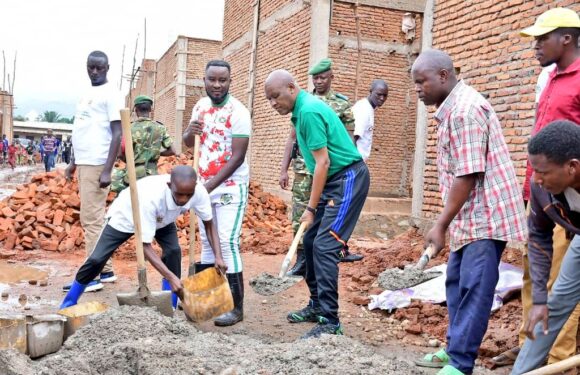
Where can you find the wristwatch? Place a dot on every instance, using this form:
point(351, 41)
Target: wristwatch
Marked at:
point(313, 210)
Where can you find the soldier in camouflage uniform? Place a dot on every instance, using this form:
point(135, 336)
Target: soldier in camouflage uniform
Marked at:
point(150, 141)
point(322, 79)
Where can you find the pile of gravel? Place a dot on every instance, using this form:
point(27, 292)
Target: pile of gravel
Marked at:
point(132, 340)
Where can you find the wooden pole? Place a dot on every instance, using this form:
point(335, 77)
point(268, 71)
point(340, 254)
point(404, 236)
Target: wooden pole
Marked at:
point(558, 367)
point(359, 53)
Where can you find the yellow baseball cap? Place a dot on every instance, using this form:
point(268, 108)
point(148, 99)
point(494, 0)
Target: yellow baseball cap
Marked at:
point(551, 20)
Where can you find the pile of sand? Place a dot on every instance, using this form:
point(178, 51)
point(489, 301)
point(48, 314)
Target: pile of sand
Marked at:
point(131, 340)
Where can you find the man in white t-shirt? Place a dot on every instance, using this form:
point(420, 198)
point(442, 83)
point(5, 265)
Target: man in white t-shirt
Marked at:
point(162, 199)
point(96, 139)
point(364, 116)
point(224, 126)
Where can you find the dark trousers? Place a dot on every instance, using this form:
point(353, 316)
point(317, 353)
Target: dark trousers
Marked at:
point(110, 239)
point(48, 161)
point(472, 275)
point(336, 216)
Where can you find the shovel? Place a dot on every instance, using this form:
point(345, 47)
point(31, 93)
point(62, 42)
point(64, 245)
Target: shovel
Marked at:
point(143, 296)
point(192, 217)
point(266, 284)
point(396, 278)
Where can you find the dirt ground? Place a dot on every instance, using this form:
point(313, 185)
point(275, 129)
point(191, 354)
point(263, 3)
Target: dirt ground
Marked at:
point(396, 338)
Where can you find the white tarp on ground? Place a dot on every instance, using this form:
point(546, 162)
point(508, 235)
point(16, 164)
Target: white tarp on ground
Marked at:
point(433, 291)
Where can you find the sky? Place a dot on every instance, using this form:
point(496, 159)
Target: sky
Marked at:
point(53, 38)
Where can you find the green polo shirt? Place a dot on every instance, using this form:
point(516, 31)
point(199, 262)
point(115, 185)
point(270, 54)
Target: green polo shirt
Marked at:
point(317, 126)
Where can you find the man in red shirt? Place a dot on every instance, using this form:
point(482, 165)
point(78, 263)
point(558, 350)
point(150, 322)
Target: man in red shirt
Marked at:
point(556, 32)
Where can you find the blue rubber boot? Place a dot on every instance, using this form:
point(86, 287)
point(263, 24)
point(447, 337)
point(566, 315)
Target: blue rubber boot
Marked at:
point(166, 286)
point(73, 295)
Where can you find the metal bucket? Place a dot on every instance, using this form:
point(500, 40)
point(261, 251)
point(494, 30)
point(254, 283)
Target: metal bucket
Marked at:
point(79, 315)
point(45, 334)
point(206, 295)
point(13, 332)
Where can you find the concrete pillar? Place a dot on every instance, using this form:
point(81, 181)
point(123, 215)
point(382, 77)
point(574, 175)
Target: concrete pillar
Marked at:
point(180, 91)
point(319, 33)
point(422, 119)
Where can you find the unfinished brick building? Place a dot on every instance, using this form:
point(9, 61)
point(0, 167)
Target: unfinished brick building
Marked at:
point(483, 39)
point(6, 113)
point(263, 35)
point(175, 82)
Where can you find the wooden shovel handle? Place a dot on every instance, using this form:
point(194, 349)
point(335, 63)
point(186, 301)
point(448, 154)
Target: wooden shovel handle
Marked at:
point(292, 250)
point(557, 368)
point(130, 160)
point(192, 217)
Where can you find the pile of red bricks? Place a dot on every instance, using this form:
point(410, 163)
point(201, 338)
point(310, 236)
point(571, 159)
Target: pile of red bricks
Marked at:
point(45, 214)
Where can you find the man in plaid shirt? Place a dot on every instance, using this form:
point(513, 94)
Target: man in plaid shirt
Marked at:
point(482, 205)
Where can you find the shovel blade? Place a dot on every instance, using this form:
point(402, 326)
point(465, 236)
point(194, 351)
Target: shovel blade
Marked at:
point(160, 300)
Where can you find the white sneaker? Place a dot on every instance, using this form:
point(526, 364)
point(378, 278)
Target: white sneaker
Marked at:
point(108, 277)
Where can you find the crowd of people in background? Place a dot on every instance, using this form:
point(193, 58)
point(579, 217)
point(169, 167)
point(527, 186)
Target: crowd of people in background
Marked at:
point(49, 151)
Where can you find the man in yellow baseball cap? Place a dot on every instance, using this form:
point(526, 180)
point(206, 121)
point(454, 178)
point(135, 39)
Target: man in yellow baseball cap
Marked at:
point(551, 20)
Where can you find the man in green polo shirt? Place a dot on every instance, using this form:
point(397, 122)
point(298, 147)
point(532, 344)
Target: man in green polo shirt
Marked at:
point(340, 186)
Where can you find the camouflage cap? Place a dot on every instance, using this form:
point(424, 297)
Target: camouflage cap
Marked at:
point(142, 99)
point(321, 67)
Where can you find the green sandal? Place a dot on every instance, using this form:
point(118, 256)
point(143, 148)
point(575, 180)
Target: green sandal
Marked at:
point(449, 370)
point(428, 360)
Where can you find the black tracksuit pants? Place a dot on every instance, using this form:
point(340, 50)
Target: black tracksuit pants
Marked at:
point(337, 213)
point(110, 239)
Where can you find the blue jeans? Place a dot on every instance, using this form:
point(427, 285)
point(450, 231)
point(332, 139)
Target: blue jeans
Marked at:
point(472, 275)
point(562, 300)
point(48, 161)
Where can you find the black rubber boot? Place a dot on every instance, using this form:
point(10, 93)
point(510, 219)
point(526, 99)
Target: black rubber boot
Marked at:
point(236, 281)
point(299, 268)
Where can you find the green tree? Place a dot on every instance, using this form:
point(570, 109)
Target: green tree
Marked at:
point(50, 116)
point(66, 120)
point(20, 118)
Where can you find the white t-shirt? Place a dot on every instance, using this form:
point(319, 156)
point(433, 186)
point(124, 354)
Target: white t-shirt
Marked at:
point(543, 80)
point(220, 126)
point(573, 198)
point(364, 123)
point(91, 135)
point(156, 207)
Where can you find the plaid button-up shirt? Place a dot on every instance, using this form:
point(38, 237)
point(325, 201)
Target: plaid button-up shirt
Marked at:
point(470, 140)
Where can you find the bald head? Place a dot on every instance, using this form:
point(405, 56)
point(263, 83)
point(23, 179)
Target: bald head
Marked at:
point(281, 91)
point(434, 76)
point(378, 93)
point(182, 184)
point(434, 59)
point(97, 67)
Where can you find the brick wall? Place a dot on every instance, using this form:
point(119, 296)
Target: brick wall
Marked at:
point(483, 39)
point(158, 79)
point(6, 115)
point(284, 42)
point(387, 55)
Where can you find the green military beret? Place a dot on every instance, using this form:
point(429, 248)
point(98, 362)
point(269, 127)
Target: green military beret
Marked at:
point(321, 67)
point(142, 99)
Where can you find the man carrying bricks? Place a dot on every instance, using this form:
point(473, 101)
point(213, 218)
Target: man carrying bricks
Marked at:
point(556, 32)
point(96, 139)
point(322, 79)
point(482, 205)
point(554, 154)
point(224, 126)
point(150, 141)
point(340, 183)
point(161, 200)
point(364, 116)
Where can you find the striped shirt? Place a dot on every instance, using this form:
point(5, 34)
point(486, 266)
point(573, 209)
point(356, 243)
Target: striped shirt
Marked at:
point(470, 140)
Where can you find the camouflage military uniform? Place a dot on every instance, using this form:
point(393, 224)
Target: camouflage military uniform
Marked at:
point(149, 138)
point(302, 177)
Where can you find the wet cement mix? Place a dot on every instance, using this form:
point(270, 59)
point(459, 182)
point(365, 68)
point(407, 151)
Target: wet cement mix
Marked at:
point(266, 284)
point(396, 278)
point(131, 340)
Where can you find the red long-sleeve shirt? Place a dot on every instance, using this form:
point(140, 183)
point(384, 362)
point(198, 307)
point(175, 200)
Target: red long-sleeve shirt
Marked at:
point(560, 100)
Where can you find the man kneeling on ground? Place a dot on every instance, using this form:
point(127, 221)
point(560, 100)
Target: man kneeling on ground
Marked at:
point(554, 154)
point(162, 199)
